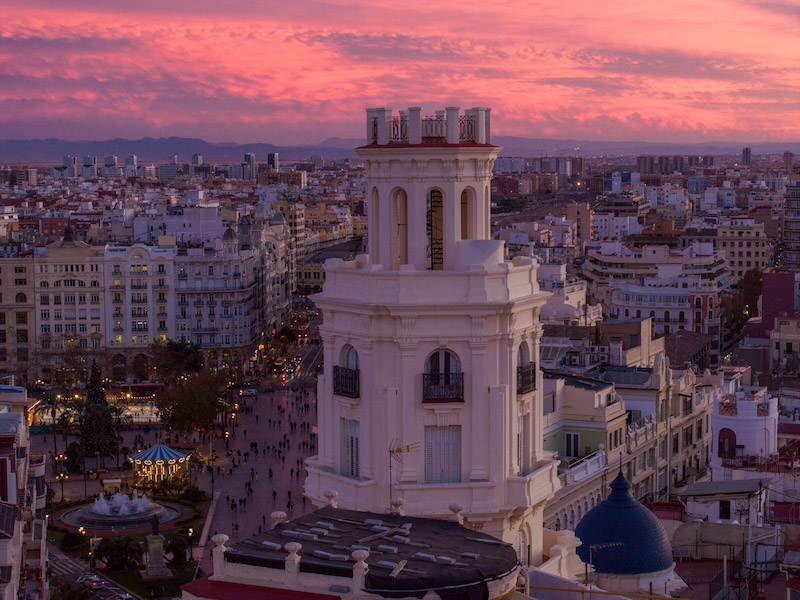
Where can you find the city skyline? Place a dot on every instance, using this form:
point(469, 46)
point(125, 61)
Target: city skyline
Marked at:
point(297, 74)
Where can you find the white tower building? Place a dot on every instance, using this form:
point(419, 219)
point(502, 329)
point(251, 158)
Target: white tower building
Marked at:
point(430, 343)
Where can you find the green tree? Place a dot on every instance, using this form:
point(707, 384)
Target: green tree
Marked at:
point(64, 422)
point(751, 291)
point(50, 405)
point(118, 418)
point(63, 588)
point(119, 553)
point(191, 404)
point(174, 359)
point(97, 426)
point(74, 456)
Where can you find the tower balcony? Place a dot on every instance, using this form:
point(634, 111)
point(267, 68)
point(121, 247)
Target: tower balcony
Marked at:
point(442, 387)
point(410, 128)
point(346, 382)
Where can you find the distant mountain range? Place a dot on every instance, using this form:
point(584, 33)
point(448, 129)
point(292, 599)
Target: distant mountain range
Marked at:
point(51, 150)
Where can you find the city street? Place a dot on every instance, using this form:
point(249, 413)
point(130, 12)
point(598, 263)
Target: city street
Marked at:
point(260, 470)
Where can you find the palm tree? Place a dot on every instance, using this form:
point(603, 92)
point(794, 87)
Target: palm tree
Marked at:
point(50, 404)
point(119, 417)
point(64, 423)
point(78, 408)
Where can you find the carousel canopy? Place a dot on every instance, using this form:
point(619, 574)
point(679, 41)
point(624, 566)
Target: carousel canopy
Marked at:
point(158, 454)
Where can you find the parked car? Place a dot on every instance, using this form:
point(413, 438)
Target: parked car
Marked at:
point(249, 392)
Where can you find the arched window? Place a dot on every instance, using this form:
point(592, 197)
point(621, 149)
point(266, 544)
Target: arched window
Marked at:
point(627, 313)
point(21, 298)
point(585, 506)
point(580, 512)
point(349, 357)
point(44, 284)
point(346, 377)
point(468, 224)
point(727, 443)
point(652, 314)
point(697, 303)
point(572, 517)
point(400, 225)
point(443, 362)
point(526, 369)
point(94, 283)
point(681, 316)
point(522, 547)
point(435, 227)
point(638, 314)
point(523, 355)
point(557, 526)
point(666, 316)
point(443, 380)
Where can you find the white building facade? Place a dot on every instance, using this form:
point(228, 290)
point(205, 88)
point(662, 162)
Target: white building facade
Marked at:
point(431, 341)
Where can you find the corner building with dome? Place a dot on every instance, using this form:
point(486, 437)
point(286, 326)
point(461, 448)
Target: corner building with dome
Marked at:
point(625, 545)
point(430, 344)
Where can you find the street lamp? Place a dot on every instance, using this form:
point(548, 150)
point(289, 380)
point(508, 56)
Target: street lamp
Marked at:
point(62, 477)
point(61, 471)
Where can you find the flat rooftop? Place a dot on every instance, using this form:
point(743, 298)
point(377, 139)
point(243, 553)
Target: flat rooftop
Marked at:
point(424, 554)
point(716, 488)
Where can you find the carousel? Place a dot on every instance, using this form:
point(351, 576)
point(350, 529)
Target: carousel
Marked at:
point(159, 466)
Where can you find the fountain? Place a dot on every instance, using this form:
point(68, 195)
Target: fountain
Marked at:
point(120, 511)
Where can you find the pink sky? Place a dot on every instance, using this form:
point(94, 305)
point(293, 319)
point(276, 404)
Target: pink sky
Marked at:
point(294, 72)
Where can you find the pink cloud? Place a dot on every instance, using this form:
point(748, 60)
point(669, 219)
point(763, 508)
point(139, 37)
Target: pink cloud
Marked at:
point(300, 72)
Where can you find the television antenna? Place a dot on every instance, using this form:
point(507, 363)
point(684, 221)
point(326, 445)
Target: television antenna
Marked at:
point(396, 452)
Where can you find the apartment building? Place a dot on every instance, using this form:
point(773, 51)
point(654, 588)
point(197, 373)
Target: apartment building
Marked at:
point(613, 418)
point(678, 289)
point(23, 493)
point(69, 317)
point(790, 224)
point(67, 303)
point(742, 241)
point(140, 304)
point(17, 303)
point(295, 215)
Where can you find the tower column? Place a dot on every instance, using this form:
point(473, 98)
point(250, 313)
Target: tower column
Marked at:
point(367, 417)
point(452, 124)
point(325, 415)
point(417, 222)
point(409, 432)
point(480, 410)
point(384, 225)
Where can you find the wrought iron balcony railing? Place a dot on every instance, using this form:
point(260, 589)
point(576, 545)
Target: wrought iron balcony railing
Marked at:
point(346, 382)
point(526, 378)
point(443, 387)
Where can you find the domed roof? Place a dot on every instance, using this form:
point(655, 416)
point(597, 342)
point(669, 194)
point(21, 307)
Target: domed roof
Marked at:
point(278, 217)
point(627, 537)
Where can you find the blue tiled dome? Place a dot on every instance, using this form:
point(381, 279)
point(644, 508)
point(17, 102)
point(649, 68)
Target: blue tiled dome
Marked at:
point(628, 538)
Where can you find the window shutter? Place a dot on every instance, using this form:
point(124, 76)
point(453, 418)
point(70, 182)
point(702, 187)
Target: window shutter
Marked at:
point(349, 466)
point(455, 454)
point(443, 454)
point(429, 442)
point(354, 441)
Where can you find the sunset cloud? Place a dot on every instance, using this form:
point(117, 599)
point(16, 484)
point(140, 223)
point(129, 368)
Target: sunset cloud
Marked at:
point(301, 72)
